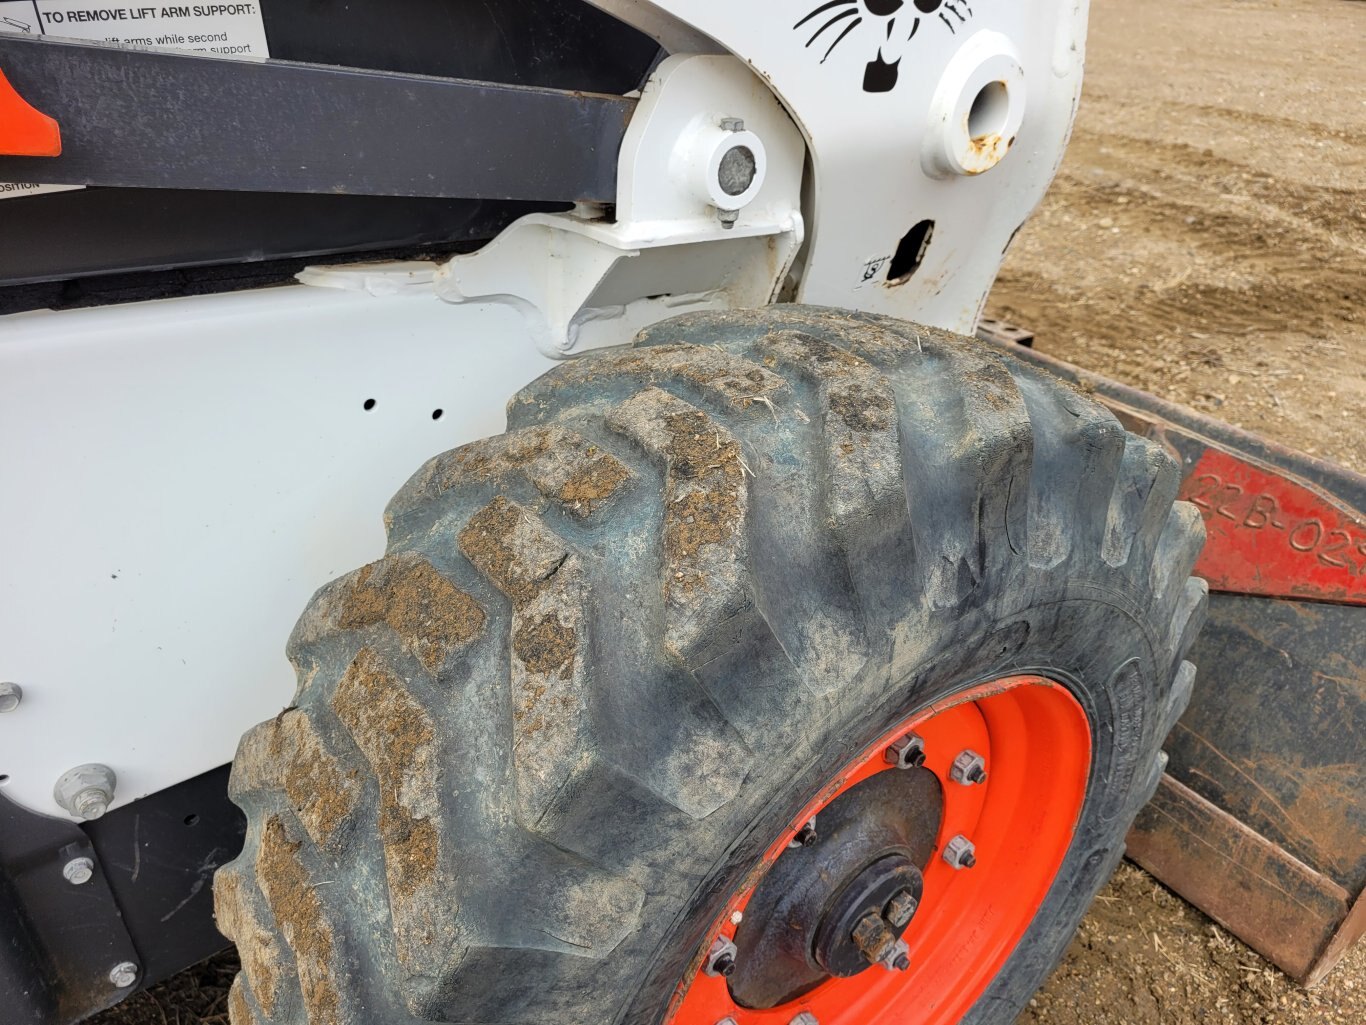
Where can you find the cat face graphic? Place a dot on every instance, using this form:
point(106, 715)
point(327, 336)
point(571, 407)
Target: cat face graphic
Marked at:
point(884, 26)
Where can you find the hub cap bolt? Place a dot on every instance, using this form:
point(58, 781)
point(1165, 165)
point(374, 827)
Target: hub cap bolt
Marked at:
point(969, 768)
point(906, 753)
point(805, 836)
point(721, 957)
point(78, 871)
point(123, 974)
point(872, 937)
point(900, 909)
point(960, 853)
point(10, 696)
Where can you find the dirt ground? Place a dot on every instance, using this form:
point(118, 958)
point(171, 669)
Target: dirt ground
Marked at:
point(1205, 240)
point(1206, 237)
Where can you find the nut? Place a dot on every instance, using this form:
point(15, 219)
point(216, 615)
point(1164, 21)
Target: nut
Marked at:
point(898, 959)
point(732, 124)
point(721, 957)
point(907, 752)
point(969, 768)
point(10, 696)
point(804, 1018)
point(78, 871)
point(960, 853)
point(123, 974)
point(805, 836)
point(900, 909)
point(872, 937)
point(86, 791)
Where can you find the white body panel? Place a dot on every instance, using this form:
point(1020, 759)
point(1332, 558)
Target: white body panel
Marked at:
point(179, 476)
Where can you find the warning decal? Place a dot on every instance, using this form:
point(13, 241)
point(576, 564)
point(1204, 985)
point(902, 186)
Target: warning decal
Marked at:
point(221, 30)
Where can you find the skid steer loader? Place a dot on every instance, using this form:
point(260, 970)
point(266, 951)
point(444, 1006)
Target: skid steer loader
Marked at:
point(793, 648)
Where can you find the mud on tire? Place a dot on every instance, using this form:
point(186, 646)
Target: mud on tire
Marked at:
point(608, 653)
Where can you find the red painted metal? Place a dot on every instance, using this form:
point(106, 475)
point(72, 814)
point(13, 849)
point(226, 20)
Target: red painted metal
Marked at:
point(1270, 534)
point(25, 132)
point(1037, 743)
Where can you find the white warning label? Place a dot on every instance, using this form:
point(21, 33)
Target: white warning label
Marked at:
point(221, 30)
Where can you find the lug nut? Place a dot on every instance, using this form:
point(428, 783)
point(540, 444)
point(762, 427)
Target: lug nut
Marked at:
point(721, 957)
point(906, 753)
point(805, 836)
point(960, 853)
point(900, 909)
point(969, 768)
point(86, 791)
point(872, 937)
point(10, 696)
point(898, 959)
point(123, 974)
point(78, 871)
point(804, 1018)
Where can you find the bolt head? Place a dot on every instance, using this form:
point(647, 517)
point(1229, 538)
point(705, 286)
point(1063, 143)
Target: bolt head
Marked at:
point(873, 938)
point(960, 853)
point(123, 974)
point(969, 768)
point(11, 694)
point(805, 1018)
point(900, 909)
point(78, 871)
point(908, 752)
point(732, 124)
point(901, 962)
point(86, 791)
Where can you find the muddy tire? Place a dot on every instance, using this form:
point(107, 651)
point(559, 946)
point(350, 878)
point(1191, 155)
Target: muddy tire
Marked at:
point(609, 654)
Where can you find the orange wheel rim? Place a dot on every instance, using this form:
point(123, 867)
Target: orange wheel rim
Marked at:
point(1035, 742)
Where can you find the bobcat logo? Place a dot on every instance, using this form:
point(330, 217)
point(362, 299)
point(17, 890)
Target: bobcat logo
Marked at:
point(883, 17)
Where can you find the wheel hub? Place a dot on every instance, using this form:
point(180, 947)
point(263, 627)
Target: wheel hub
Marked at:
point(838, 907)
point(933, 851)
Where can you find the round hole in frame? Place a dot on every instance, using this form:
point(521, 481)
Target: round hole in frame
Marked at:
point(990, 108)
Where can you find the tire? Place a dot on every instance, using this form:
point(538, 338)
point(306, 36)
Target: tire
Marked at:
point(609, 654)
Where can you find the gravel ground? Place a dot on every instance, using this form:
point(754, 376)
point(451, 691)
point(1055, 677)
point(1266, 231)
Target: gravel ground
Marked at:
point(1206, 241)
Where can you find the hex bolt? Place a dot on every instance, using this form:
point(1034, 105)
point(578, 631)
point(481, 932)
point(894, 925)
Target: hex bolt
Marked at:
point(804, 1018)
point(727, 1021)
point(900, 909)
point(898, 959)
point(727, 218)
point(86, 791)
point(907, 752)
point(960, 853)
point(123, 974)
point(805, 836)
point(721, 957)
point(10, 696)
point(872, 938)
point(968, 768)
point(732, 124)
point(78, 871)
